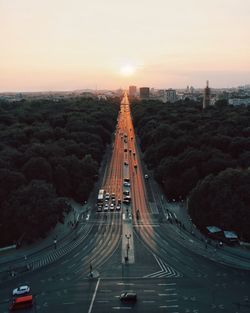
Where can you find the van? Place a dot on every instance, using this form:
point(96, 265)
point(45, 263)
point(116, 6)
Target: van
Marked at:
point(21, 303)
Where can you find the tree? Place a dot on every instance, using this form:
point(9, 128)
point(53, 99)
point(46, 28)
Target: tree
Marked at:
point(38, 168)
point(9, 181)
point(26, 208)
point(61, 180)
point(223, 200)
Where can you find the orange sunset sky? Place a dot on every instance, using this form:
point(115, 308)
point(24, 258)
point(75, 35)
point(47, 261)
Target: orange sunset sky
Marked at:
point(67, 45)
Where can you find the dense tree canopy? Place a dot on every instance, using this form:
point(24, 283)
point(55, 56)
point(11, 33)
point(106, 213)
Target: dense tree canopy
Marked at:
point(49, 150)
point(183, 144)
point(223, 200)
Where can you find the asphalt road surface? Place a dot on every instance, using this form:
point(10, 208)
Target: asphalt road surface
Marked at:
point(169, 269)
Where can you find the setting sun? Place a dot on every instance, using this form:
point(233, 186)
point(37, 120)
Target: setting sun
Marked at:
point(127, 70)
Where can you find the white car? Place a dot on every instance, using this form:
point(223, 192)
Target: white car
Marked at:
point(22, 290)
point(106, 207)
point(112, 207)
point(126, 184)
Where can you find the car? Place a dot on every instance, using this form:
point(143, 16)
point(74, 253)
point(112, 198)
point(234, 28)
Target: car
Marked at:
point(113, 200)
point(146, 176)
point(134, 153)
point(135, 166)
point(126, 192)
point(118, 207)
point(126, 184)
point(119, 201)
point(126, 200)
point(21, 290)
point(107, 196)
point(125, 163)
point(99, 208)
point(128, 297)
point(106, 207)
point(112, 195)
point(112, 207)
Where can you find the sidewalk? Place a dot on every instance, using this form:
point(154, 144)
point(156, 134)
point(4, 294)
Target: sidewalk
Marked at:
point(55, 236)
point(229, 255)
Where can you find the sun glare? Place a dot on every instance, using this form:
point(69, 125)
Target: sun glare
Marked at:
point(127, 70)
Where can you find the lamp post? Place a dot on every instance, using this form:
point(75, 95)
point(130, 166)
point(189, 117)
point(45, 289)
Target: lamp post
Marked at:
point(191, 228)
point(128, 236)
point(55, 243)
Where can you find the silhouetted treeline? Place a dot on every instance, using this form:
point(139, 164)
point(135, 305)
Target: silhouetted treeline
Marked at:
point(223, 200)
point(183, 144)
point(48, 150)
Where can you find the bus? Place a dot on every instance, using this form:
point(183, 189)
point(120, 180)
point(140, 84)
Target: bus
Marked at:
point(100, 198)
point(21, 303)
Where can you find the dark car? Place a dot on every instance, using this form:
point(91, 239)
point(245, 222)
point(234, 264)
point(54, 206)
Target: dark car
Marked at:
point(126, 200)
point(128, 297)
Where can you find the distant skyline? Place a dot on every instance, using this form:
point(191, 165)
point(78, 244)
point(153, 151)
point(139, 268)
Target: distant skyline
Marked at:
point(54, 45)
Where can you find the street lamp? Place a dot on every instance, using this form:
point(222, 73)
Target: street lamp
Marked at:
point(128, 236)
point(55, 243)
point(191, 228)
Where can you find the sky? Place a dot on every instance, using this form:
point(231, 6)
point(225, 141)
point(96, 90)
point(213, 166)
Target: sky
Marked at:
point(109, 44)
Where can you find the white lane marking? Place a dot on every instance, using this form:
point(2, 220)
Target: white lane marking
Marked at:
point(167, 306)
point(172, 306)
point(127, 284)
point(172, 284)
point(94, 295)
point(76, 255)
point(172, 300)
point(122, 307)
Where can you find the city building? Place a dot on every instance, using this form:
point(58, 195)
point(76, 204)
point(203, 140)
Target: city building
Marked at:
point(132, 91)
point(144, 92)
point(207, 95)
point(169, 95)
point(238, 101)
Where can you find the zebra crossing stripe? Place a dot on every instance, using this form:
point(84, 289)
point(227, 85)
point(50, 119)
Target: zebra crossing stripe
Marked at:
point(166, 270)
point(56, 254)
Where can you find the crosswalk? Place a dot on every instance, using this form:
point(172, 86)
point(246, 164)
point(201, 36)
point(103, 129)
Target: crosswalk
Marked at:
point(56, 254)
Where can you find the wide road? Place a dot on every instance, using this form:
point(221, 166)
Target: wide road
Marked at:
point(170, 270)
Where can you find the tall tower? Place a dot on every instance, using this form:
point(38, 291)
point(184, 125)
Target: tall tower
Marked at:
point(207, 94)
